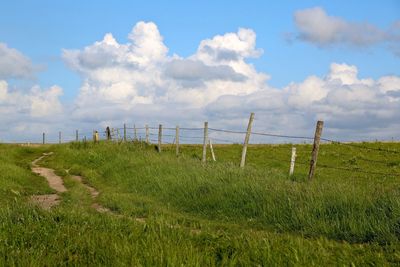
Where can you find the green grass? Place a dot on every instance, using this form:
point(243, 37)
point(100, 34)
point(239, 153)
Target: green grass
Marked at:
point(203, 215)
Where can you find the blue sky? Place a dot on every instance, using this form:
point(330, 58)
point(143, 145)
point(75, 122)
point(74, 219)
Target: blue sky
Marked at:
point(331, 60)
point(41, 29)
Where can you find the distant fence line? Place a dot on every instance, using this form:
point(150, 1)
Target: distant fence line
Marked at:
point(207, 136)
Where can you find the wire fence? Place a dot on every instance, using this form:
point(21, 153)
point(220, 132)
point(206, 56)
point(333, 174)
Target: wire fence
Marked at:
point(361, 158)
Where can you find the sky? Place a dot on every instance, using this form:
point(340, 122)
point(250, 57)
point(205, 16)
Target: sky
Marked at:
point(67, 65)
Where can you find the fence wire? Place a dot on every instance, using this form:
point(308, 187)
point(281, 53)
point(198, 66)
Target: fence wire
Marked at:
point(193, 135)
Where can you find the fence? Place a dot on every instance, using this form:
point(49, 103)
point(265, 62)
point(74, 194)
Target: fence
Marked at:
point(208, 136)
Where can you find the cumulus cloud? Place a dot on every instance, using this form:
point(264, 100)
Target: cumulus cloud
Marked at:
point(37, 103)
point(192, 70)
point(25, 112)
point(141, 72)
point(138, 81)
point(315, 26)
point(351, 107)
point(13, 64)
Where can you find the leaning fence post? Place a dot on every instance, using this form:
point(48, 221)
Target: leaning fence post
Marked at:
point(108, 133)
point(177, 140)
point(124, 132)
point(44, 138)
point(159, 138)
point(246, 140)
point(204, 158)
point(59, 137)
point(76, 136)
point(314, 154)
point(147, 134)
point(292, 161)
point(212, 150)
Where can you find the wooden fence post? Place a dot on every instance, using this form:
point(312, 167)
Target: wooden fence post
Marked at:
point(124, 132)
point(134, 133)
point(205, 141)
point(76, 136)
point(108, 133)
point(118, 136)
point(147, 134)
point(314, 154)
point(44, 138)
point(95, 137)
point(159, 138)
point(177, 140)
point(246, 140)
point(292, 161)
point(59, 137)
point(212, 150)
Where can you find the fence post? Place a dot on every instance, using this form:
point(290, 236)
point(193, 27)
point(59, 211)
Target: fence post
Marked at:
point(147, 134)
point(212, 150)
point(118, 135)
point(159, 138)
point(76, 136)
point(177, 140)
point(59, 137)
point(44, 138)
point(108, 133)
point(314, 154)
point(134, 133)
point(124, 132)
point(95, 137)
point(205, 141)
point(246, 140)
point(292, 161)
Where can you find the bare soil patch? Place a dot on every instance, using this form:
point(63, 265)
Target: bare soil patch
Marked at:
point(55, 182)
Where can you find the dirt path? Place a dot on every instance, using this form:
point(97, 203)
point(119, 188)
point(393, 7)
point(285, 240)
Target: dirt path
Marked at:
point(48, 201)
point(93, 193)
point(55, 182)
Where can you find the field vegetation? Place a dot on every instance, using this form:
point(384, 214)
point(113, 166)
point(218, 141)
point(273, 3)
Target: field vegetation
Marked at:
point(169, 210)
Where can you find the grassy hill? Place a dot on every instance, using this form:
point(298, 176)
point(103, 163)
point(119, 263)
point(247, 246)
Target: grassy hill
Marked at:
point(204, 215)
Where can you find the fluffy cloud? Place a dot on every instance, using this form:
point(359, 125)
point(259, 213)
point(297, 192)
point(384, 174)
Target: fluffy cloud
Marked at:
point(138, 81)
point(13, 64)
point(28, 114)
point(352, 108)
point(37, 103)
point(140, 72)
point(25, 112)
point(316, 26)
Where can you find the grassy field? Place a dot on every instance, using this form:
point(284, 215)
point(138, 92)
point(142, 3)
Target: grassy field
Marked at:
point(203, 215)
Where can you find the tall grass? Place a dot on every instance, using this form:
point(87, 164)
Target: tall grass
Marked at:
point(198, 215)
point(344, 207)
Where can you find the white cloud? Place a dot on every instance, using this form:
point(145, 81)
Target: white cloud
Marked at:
point(37, 103)
point(140, 72)
point(13, 64)
point(25, 112)
point(139, 82)
point(316, 26)
point(351, 107)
